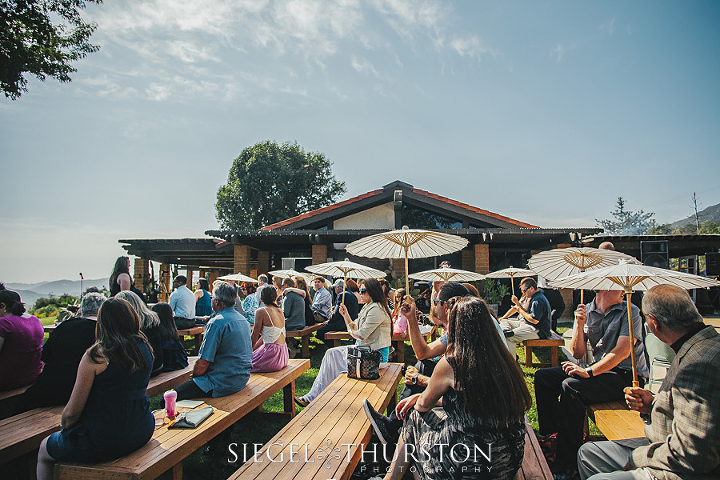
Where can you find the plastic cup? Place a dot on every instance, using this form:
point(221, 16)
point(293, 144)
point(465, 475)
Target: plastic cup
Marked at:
point(170, 398)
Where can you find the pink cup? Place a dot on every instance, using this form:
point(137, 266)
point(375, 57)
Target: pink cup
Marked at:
point(170, 398)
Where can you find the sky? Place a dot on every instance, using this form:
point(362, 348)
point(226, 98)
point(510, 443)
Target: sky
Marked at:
point(542, 111)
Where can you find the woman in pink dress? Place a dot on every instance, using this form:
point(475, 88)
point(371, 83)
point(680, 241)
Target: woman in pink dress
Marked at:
point(21, 338)
point(270, 352)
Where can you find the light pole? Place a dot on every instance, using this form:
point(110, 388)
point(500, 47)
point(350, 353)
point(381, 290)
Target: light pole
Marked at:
point(81, 281)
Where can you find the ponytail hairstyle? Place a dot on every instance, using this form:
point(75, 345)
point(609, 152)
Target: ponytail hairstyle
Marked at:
point(13, 302)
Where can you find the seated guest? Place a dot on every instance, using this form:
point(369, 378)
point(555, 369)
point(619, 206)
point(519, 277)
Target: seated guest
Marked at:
point(61, 354)
point(336, 323)
point(400, 324)
point(533, 319)
point(322, 301)
point(262, 284)
point(108, 414)
point(373, 329)
point(202, 298)
point(270, 353)
point(249, 300)
point(417, 377)
point(226, 352)
point(149, 323)
point(301, 284)
point(182, 302)
point(21, 340)
point(171, 350)
point(293, 305)
point(682, 421)
point(563, 393)
point(483, 396)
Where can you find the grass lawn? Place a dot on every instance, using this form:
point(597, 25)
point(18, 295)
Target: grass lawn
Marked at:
point(261, 427)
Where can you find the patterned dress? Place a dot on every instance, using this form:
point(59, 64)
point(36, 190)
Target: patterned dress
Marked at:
point(451, 443)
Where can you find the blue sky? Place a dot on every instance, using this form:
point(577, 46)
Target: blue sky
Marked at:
point(541, 111)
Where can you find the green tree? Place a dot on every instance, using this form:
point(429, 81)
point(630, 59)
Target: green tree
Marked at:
point(660, 229)
point(626, 222)
point(31, 43)
point(270, 182)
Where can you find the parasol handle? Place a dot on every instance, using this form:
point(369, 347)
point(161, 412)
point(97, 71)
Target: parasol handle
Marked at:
point(407, 273)
point(344, 286)
point(628, 296)
point(512, 284)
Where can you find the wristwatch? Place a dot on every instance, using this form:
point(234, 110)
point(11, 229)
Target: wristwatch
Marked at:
point(589, 371)
point(414, 379)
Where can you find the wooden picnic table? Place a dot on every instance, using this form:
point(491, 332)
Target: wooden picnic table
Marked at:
point(196, 332)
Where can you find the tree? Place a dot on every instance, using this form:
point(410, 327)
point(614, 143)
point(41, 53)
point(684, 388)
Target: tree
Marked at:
point(31, 43)
point(270, 182)
point(627, 222)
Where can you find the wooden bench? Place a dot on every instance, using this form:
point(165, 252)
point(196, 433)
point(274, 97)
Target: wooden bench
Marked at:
point(397, 340)
point(334, 424)
point(304, 336)
point(534, 466)
point(554, 342)
point(616, 421)
point(167, 448)
point(22, 433)
point(49, 328)
point(8, 399)
point(196, 332)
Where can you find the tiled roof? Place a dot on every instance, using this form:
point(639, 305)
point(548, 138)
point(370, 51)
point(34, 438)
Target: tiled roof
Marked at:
point(318, 211)
point(474, 209)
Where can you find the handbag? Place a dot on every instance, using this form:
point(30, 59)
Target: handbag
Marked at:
point(363, 363)
point(192, 418)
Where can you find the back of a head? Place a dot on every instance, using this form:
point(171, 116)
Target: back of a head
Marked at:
point(90, 304)
point(181, 279)
point(606, 246)
point(351, 285)
point(263, 278)
point(13, 302)
point(168, 330)
point(268, 296)
point(225, 293)
point(148, 318)
point(471, 289)
point(118, 332)
point(452, 289)
point(204, 284)
point(489, 377)
point(288, 282)
point(672, 307)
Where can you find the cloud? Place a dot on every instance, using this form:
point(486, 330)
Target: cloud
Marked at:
point(559, 52)
point(365, 67)
point(157, 92)
point(471, 46)
point(608, 27)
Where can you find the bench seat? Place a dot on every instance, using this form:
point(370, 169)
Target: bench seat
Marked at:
point(334, 418)
point(616, 421)
point(554, 342)
point(534, 466)
point(168, 447)
point(21, 434)
point(304, 336)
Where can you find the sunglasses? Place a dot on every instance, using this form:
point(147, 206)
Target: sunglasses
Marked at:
point(362, 290)
point(449, 301)
point(439, 302)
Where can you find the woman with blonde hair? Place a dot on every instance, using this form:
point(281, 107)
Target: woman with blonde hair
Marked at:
point(149, 325)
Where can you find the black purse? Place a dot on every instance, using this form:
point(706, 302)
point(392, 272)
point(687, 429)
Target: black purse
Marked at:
point(363, 363)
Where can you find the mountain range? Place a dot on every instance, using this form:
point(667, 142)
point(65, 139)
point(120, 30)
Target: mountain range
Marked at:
point(711, 213)
point(30, 292)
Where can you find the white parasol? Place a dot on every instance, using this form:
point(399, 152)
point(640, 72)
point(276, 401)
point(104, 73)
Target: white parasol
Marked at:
point(406, 243)
point(238, 277)
point(446, 274)
point(346, 268)
point(290, 273)
point(563, 262)
point(510, 273)
point(632, 276)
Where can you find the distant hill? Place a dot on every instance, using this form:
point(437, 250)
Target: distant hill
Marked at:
point(30, 292)
point(710, 213)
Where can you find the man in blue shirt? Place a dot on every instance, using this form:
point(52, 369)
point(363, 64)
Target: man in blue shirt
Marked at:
point(182, 302)
point(534, 320)
point(322, 301)
point(226, 353)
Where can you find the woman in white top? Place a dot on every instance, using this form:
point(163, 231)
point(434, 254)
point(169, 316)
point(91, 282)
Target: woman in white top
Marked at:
point(270, 352)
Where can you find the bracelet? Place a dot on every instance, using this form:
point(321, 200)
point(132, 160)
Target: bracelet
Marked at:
point(589, 371)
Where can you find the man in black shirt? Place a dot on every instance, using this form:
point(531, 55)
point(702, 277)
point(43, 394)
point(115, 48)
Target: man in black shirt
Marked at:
point(61, 354)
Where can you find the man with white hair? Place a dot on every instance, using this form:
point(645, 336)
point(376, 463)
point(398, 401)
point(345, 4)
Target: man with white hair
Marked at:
point(61, 354)
point(225, 354)
point(682, 422)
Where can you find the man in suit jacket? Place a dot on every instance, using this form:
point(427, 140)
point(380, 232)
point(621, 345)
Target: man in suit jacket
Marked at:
point(683, 420)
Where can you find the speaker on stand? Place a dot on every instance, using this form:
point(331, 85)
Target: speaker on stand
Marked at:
point(654, 253)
